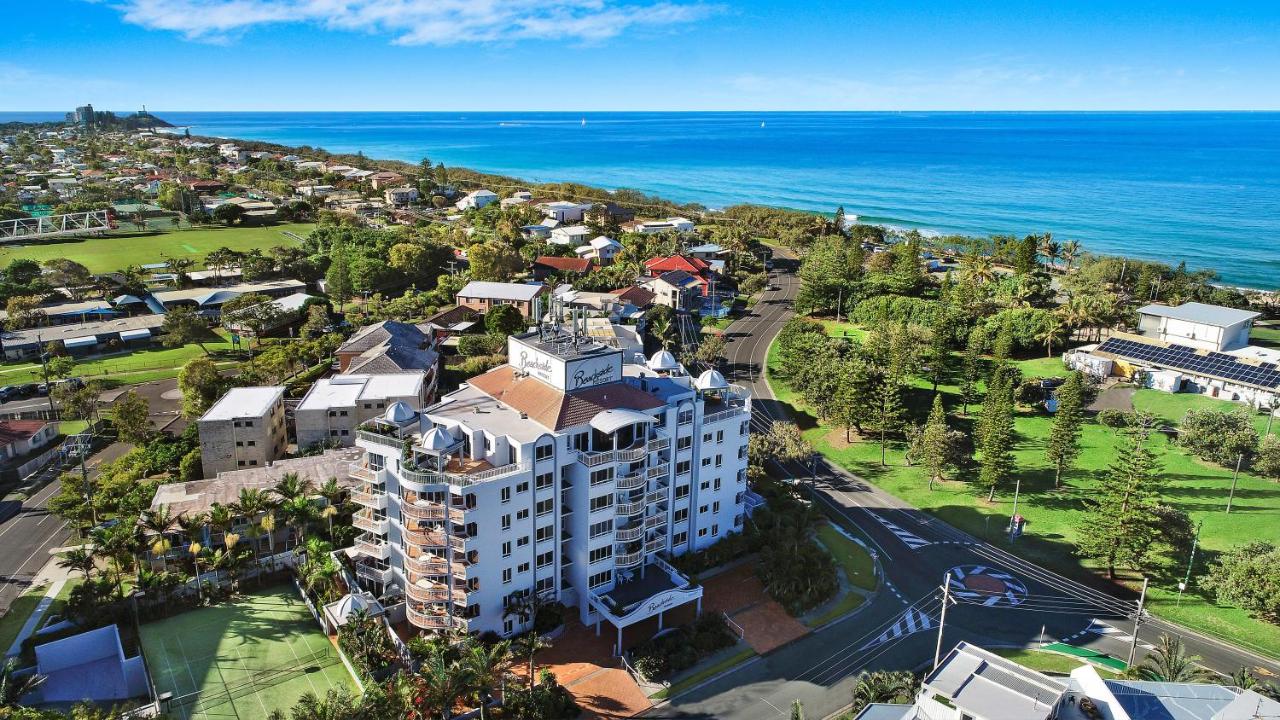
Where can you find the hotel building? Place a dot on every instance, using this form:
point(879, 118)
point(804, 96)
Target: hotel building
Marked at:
point(568, 472)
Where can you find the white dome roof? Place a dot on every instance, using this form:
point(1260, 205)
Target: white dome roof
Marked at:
point(399, 413)
point(437, 439)
point(711, 380)
point(663, 360)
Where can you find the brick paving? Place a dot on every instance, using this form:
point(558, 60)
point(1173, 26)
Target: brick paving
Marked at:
point(740, 595)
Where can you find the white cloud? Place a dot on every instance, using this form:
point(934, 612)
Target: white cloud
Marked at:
point(419, 22)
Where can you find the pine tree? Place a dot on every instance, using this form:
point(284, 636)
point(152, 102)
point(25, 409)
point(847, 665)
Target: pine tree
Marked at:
point(1063, 445)
point(338, 282)
point(1002, 348)
point(797, 710)
point(889, 408)
point(934, 442)
point(996, 437)
point(1123, 520)
point(972, 369)
point(939, 352)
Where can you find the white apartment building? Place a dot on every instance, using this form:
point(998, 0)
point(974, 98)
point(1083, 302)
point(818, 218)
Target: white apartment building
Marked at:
point(334, 407)
point(1204, 327)
point(567, 472)
point(245, 428)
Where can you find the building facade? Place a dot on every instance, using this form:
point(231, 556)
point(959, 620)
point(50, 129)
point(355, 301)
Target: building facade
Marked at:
point(565, 474)
point(334, 407)
point(245, 428)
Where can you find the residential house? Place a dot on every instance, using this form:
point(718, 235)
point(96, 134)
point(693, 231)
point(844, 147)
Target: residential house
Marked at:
point(392, 347)
point(206, 186)
point(611, 212)
point(476, 199)
point(386, 179)
point(563, 211)
point(548, 265)
point(245, 428)
point(699, 269)
point(451, 322)
point(401, 195)
point(20, 437)
point(601, 249)
point(571, 235)
point(676, 289)
point(484, 296)
point(651, 227)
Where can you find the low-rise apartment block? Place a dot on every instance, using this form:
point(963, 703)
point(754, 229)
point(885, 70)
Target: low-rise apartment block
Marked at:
point(334, 407)
point(243, 429)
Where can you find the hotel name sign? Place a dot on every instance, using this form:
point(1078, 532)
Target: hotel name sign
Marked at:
point(572, 375)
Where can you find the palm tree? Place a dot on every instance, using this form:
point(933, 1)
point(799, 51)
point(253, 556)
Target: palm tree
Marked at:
point(291, 486)
point(13, 687)
point(248, 505)
point(117, 543)
point(443, 681)
point(222, 518)
point(328, 514)
point(159, 522)
point(1048, 249)
point(486, 667)
point(978, 267)
point(528, 645)
point(268, 527)
point(80, 560)
point(1051, 332)
point(1069, 253)
point(1169, 662)
point(883, 687)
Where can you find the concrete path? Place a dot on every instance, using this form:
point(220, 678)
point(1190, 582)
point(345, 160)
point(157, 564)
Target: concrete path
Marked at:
point(33, 622)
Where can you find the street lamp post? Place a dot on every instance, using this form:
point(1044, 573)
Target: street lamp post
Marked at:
point(1231, 496)
point(1182, 586)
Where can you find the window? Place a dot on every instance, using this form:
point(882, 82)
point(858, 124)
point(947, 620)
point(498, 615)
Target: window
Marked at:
point(601, 476)
point(702, 509)
point(488, 444)
point(719, 436)
point(681, 515)
point(716, 485)
point(685, 417)
point(599, 554)
point(506, 575)
point(601, 502)
point(706, 437)
point(544, 584)
point(704, 485)
point(742, 452)
point(522, 514)
point(507, 626)
point(715, 530)
point(601, 578)
point(603, 527)
point(702, 532)
point(545, 558)
point(522, 541)
point(684, 443)
point(542, 452)
point(505, 494)
point(544, 481)
point(543, 534)
point(581, 441)
point(682, 491)
point(506, 522)
point(522, 487)
point(715, 506)
point(682, 467)
point(706, 462)
point(545, 506)
point(719, 460)
point(506, 549)
point(523, 568)
point(742, 429)
point(680, 538)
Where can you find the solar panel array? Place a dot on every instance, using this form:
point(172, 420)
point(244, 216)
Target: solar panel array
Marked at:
point(1181, 357)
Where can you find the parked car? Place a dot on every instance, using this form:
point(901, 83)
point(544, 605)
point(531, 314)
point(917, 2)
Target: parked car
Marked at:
point(7, 393)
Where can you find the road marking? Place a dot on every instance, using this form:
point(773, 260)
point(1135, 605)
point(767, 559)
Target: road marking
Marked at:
point(911, 621)
point(911, 540)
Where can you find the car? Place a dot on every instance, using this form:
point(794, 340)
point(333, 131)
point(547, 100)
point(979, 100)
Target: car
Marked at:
point(7, 393)
point(42, 389)
point(26, 390)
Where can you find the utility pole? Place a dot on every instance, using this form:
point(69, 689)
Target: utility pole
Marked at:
point(1190, 561)
point(44, 366)
point(1234, 477)
point(1137, 622)
point(942, 619)
point(1013, 519)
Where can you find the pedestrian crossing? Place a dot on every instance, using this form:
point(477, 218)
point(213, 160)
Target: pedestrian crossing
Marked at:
point(912, 620)
point(910, 539)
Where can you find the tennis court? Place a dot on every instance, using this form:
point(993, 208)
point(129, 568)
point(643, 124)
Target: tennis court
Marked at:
point(242, 660)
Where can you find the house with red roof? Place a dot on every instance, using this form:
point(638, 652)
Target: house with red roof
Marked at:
point(548, 265)
point(699, 269)
point(20, 437)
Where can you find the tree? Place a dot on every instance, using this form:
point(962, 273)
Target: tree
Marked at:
point(63, 272)
point(831, 274)
point(797, 710)
point(504, 320)
point(1169, 662)
point(996, 437)
point(13, 687)
point(1248, 577)
point(338, 281)
point(883, 687)
point(486, 666)
point(182, 326)
point(60, 367)
point(494, 260)
point(228, 213)
point(253, 312)
point(130, 415)
point(710, 349)
point(782, 442)
point(201, 385)
point(938, 354)
point(317, 322)
point(80, 560)
point(1063, 445)
point(972, 369)
point(1219, 437)
point(528, 645)
point(23, 311)
point(1121, 521)
point(934, 442)
point(1267, 461)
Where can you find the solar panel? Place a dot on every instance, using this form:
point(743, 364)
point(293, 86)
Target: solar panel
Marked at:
point(1181, 357)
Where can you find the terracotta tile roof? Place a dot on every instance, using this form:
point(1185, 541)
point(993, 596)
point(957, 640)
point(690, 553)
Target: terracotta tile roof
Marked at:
point(12, 431)
point(553, 408)
point(691, 265)
point(579, 265)
point(635, 295)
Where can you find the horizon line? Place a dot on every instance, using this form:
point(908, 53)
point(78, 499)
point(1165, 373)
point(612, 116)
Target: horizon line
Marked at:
point(725, 111)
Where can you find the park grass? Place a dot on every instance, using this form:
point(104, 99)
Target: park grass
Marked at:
point(1047, 662)
point(1265, 335)
point(136, 366)
point(844, 330)
point(1055, 517)
point(858, 569)
point(20, 611)
point(116, 250)
point(710, 671)
point(242, 658)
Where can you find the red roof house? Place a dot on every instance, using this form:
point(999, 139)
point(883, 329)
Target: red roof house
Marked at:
point(696, 267)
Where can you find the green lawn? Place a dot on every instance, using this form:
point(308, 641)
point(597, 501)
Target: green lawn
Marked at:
point(1046, 662)
point(843, 329)
point(19, 612)
point(114, 251)
point(138, 366)
point(1265, 335)
point(858, 569)
point(1055, 516)
point(242, 659)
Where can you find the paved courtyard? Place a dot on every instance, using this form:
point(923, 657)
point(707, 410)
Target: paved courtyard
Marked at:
point(739, 594)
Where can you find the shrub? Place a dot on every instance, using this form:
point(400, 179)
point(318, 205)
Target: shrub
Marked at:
point(1248, 577)
point(682, 647)
point(1219, 437)
point(1115, 419)
point(474, 345)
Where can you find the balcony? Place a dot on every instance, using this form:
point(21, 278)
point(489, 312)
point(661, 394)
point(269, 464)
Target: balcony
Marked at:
point(631, 508)
point(631, 481)
point(658, 471)
point(654, 521)
point(367, 521)
point(387, 441)
point(656, 496)
point(661, 443)
point(434, 539)
point(424, 510)
point(628, 560)
point(427, 564)
point(628, 534)
point(463, 474)
point(434, 620)
point(373, 547)
point(655, 545)
point(373, 572)
point(363, 472)
point(428, 592)
point(373, 501)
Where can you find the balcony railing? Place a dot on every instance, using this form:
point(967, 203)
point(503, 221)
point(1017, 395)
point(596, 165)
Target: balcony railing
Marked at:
point(656, 496)
point(627, 560)
point(654, 521)
point(427, 565)
point(659, 470)
point(360, 471)
point(374, 501)
point(655, 545)
point(433, 621)
point(429, 511)
point(434, 539)
point(628, 534)
point(380, 439)
point(372, 548)
point(374, 573)
point(432, 477)
point(716, 417)
point(661, 443)
point(367, 522)
point(430, 594)
point(631, 481)
point(632, 508)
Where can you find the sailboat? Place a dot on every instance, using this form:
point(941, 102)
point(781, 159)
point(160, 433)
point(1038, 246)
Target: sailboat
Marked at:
point(761, 123)
point(584, 121)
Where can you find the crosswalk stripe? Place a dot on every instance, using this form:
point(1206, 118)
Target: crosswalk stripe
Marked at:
point(911, 540)
point(910, 622)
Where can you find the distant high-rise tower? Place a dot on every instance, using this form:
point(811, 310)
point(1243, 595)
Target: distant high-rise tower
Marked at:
point(84, 115)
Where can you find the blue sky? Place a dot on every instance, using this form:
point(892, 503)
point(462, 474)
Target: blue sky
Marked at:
point(640, 55)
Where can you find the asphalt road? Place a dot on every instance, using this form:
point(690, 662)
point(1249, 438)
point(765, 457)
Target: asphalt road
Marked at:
point(998, 600)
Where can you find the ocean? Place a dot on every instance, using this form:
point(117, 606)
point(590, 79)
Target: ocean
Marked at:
point(1201, 187)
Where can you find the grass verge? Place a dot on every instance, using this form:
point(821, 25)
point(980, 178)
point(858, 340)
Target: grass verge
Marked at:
point(1046, 662)
point(710, 671)
point(19, 612)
